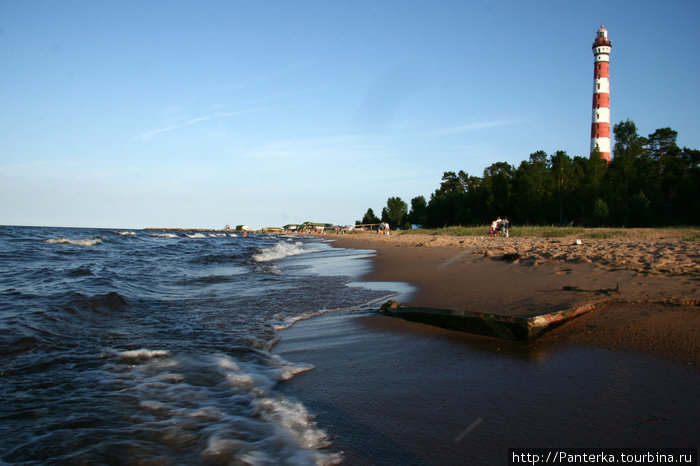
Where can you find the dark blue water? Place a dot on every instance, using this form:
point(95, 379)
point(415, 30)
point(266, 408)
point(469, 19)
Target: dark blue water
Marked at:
point(140, 347)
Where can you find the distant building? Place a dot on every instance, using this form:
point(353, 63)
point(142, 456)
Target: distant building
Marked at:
point(600, 126)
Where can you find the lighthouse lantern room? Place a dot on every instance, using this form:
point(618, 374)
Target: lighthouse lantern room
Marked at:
point(600, 126)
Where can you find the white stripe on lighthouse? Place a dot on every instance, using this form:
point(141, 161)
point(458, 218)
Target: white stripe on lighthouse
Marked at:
point(601, 86)
point(602, 143)
point(601, 115)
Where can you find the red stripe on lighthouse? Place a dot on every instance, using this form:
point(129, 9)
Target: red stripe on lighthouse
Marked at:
point(600, 126)
point(601, 100)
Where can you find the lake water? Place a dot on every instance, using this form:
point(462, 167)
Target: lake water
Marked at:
point(127, 347)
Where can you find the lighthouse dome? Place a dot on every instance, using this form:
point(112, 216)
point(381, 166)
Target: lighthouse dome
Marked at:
point(602, 39)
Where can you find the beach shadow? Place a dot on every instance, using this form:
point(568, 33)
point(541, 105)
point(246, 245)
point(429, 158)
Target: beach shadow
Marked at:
point(511, 349)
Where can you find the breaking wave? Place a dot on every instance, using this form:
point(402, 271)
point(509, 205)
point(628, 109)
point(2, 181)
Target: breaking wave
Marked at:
point(186, 399)
point(281, 250)
point(124, 233)
point(77, 242)
point(141, 350)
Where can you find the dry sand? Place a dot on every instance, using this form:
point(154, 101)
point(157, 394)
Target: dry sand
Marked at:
point(649, 281)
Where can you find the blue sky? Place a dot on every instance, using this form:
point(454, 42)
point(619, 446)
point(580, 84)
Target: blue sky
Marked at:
point(200, 114)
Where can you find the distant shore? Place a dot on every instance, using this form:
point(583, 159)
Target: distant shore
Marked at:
point(199, 230)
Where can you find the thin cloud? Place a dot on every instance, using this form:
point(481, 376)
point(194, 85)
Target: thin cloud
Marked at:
point(300, 147)
point(148, 134)
point(281, 95)
point(341, 146)
point(472, 127)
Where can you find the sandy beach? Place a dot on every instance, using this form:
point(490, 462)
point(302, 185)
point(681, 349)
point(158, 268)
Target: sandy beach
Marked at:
point(649, 283)
point(624, 375)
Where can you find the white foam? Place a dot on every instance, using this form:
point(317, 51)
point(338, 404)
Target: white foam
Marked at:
point(124, 233)
point(280, 251)
point(143, 354)
point(164, 235)
point(196, 235)
point(288, 321)
point(298, 431)
point(205, 399)
point(77, 242)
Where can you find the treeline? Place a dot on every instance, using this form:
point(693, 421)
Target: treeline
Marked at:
point(649, 182)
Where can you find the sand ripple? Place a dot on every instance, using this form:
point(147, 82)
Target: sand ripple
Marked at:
point(644, 253)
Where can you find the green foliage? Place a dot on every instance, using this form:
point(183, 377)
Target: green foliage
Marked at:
point(600, 212)
point(368, 218)
point(418, 213)
point(648, 182)
point(395, 213)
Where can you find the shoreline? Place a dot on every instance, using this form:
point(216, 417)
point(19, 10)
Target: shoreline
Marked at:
point(389, 391)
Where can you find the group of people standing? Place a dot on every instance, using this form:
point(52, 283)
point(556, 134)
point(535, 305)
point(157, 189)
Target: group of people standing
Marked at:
point(384, 228)
point(500, 227)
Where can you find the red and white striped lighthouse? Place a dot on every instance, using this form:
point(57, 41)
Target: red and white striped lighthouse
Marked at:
point(600, 126)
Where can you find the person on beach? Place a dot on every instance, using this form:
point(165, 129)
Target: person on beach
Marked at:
point(380, 231)
point(387, 230)
point(505, 227)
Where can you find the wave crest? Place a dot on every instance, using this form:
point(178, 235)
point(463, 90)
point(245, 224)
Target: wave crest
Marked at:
point(281, 250)
point(142, 355)
point(193, 393)
point(77, 242)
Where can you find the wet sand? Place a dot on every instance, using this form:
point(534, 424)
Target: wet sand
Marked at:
point(392, 392)
point(395, 392)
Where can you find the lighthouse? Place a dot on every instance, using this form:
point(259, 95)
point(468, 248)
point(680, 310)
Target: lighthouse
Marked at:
point(600, 126)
